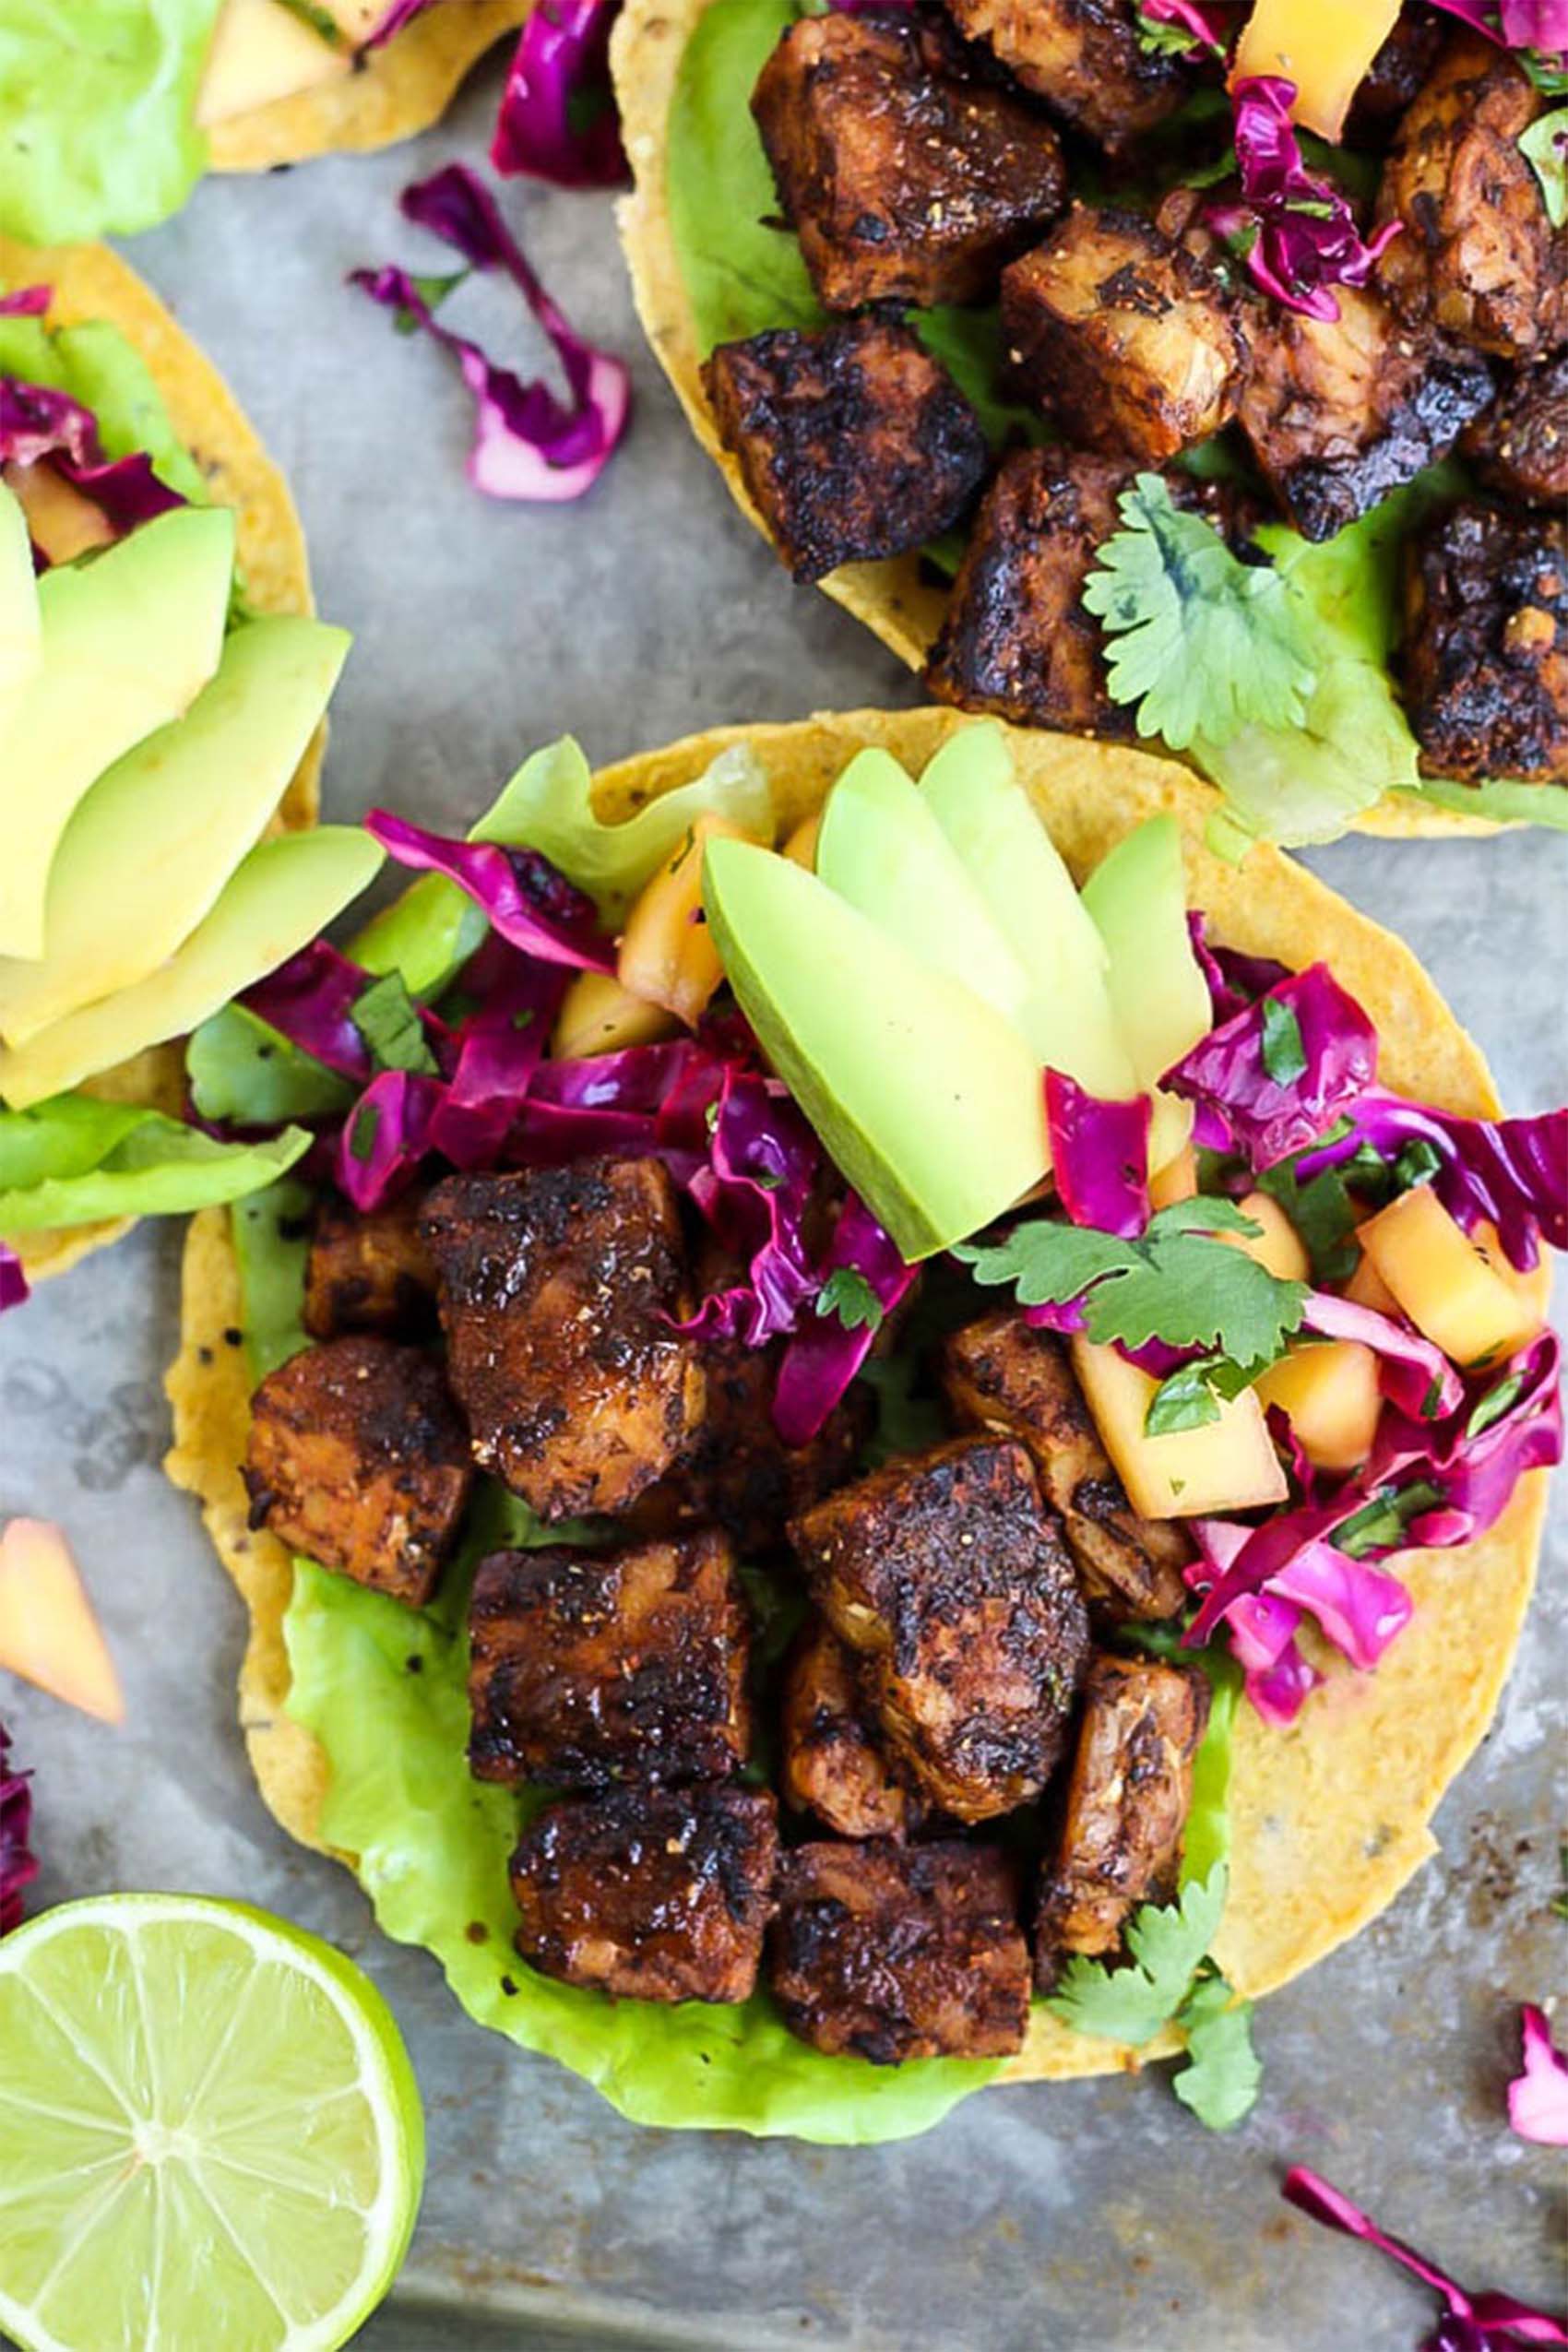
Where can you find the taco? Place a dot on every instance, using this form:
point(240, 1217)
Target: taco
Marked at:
point(749, 1484)
point(109, 114)
point(1118, 409)
point(165, 690)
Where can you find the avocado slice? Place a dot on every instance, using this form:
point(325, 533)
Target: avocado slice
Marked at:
point(20, 634)
point(1138, 896)
point(279, 898)
point(881, 850)
point(929, 1101)
point(154, 841)
point(971, 791)
point(128, 640)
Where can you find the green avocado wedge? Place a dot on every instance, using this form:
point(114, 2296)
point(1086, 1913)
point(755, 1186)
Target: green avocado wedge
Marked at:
point(20, 632)
point(881, 850)
point(926, 1098)
point(151, 847)
point(1137, 897)
point(279, 898)
point(129, 641)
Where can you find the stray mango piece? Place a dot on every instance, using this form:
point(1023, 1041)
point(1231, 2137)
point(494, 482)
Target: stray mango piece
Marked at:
point(800, 848)
point(61, 522)
point(1444, 1283)
point(261, 51)
point(598, 1016)
point(48, 1632)
point(667, 956)
point(1226, 1465)
point(1278, 1247)
point(1323, 46)
point(1177, 1180)
point(1329, 1394)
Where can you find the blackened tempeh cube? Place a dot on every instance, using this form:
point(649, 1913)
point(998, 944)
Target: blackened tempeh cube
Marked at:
point(949, 1577)
point(358, 1458)
point(854, 444)
point(833, 1764)
point(649, 1893)
point(1519, 445)
point(893, 1952)
point(1086, 58)
point(590, 1667)
point(1130, 1789)
point(368, 1273)
point(558, 1292)
point(906, 178)
point(1485, 655)
point(1001, 1373)
point(1122, 335)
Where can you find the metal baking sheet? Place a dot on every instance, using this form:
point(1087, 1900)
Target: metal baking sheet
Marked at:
point(1094, 2215)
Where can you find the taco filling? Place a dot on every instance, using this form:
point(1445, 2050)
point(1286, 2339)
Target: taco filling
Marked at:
point(1194, 375)
point(810, 1366)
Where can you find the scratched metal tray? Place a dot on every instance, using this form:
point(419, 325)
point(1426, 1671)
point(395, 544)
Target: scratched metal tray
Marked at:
point(1097, 2215)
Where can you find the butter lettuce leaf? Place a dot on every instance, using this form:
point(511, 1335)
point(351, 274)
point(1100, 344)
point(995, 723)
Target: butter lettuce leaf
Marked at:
point(98, 129)
point(75, 1159)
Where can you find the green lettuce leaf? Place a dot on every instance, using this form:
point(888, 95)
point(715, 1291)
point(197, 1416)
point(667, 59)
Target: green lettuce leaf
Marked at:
point(96, 364)
point(1504, 801)
point(75, 1159)
point(98, 127)
point(243, 1070)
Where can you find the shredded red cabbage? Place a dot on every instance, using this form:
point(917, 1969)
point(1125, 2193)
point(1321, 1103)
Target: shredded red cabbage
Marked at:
point(646, 1099)
point(1415, 1375)
point(1191, 18)
point(558, 119)
point(1098, 1157)
point(1537, 2098)
point(1542, 25)
point(384, 1137)
point(1359, 1608)
point(528, 901)
point(310, 999)
point(756, 1194)
point(26, 301)
point(1305, 1026)
point(13, 1282)
point(1234, 980)
point(1511, 1172)
point(526, 445)
point(1469, 2322)
point(495, 1052)
point(39, 426)
point(1296, 227)
point(17, 1866)
point(825, 1353)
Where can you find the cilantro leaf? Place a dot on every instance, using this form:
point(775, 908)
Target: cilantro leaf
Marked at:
point(1545, 148)
point(387, 1019)
point(1167, 1942)
point(1203, 644)
point(1191, 1395)
point(1380, 1525)
point(847, 1294)
point(1219, 2082)
point(1322, 1214)
point(1176, 1283)
point(1284, 1055)
point(1159, 37)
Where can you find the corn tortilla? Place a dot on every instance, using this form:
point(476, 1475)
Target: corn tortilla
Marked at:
point(1329, 1817)
point(91, 282)
point(896, 600)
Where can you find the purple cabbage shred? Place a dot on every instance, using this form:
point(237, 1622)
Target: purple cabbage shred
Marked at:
point(558, 120)
point(1295, 226)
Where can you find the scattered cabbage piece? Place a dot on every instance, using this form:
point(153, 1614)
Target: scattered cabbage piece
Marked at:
point(827, 1350)
point(558, 119)
point(13, 1282)
point(1537, 2098)
point(1098, 1157)
point(18, 1866)
point(526, 899)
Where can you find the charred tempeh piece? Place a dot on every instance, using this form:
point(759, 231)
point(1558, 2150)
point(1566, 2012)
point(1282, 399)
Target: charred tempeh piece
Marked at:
point(1519, 445)
point(1086, 58)
point(833, 1764)
point(854, 444)
point(1341, 411)
point(949, 1577)
point(590, 1667)
point(558, 1292)
point(906, 177)
point(357, 1458)
point(1395, 76)
point(1122, 335)
point(1485, 657)
point(999, 1373)
point(1127, 1805)
point(894, 1952)
point(1476, 256)
point(649, 1893)
point(368, 1273)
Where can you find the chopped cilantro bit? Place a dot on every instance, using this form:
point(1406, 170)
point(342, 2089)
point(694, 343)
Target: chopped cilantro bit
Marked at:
point(1380, 1525)
point(1321, 1213)
point(363, 1130)
point(1417, 1164)
point(847, 1294)
point(1284, 1055)
point(387, 1019)
point(1494, 1404)
point(1190, 1396)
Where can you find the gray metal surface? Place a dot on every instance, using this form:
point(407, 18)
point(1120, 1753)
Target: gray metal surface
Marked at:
point(1097, 2215)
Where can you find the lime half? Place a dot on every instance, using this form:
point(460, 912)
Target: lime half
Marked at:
point(210, 2133)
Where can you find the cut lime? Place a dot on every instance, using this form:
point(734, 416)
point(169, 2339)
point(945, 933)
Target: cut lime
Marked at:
point(209, 2133)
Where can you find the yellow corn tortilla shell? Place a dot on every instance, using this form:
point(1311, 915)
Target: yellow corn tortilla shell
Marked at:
point(399, 91)
point(897, 600)
point(91, 282)
point(1330, 1817)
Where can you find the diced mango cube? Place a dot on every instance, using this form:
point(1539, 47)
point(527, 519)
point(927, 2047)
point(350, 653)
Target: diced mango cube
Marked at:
point(48, 1632)
point(1444, 1281)
point(61, 521)
point(1368, 1289)
point(1323, 46)
point(1328, 1392)
point(598, 1016)
point(667, 955)
point(1279, 1246)
point(1226, 1465)
point(1177, 1180)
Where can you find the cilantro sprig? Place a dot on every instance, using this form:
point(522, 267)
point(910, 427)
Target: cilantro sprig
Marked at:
point(1175, 1283)
point(847, 1294)
point(1203, 644)
point(387, 1019)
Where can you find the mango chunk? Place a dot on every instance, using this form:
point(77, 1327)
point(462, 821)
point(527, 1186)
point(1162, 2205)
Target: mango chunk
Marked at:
point(60, 520)
point(1323, 46)
point(1227, 1464)
point(1278, 1247)
point(48, 1632)
point(598, 1016)
point(1329, 1394)
point(1443, 1282)
point(1368, 1289)
point(1177, 1180)
point(667, 956)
